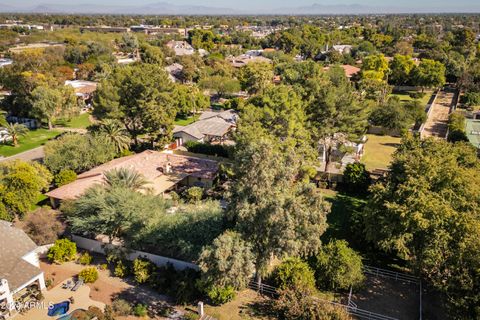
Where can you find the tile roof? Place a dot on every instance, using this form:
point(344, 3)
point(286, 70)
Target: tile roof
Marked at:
point(211, 126)
point(15, 244)
point(148, 163)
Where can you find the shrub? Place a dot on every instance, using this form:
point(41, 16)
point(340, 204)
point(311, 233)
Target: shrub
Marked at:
point(471, 98)
point(300, 304)
point(221, 295)
point(142, 269)
point(293, 273)
point(356, 178)
point(85, 259)
point(338, 267)
point(43, 226)
point(417, 95)
point(121, 270)
point(65, 177)
point(456, 127)
point(209, 149)
point(121, 307)
point(140, 310)
point(95, 312)
point(63, 250)
point(89, 275)
point(103, 266)
point(194, 194)
point(108, 313)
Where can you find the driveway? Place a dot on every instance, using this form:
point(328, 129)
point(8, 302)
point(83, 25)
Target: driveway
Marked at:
point(36, 154)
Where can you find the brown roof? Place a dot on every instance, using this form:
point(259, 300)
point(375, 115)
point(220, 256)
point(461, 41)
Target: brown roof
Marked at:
point(15, 244)
point(149, 164)
point(349, 70)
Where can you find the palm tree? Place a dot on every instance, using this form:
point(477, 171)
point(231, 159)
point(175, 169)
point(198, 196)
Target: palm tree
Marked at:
point(16, 130)
point(115, 134)
point(126, 178)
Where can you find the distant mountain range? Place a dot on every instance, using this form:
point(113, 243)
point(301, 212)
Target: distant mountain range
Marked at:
point(164, 8)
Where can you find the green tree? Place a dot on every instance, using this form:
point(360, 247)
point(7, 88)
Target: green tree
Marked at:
point(256, 77)
point(293, 273)
point(52, 103)
point(227, 262)
point(335, 111)
point(400, 69)
point(222, 86)
point(337, 267)
point(190, 100)
point(377, 63)
point(356, 178)
point(62, 251)
point(141, 98)
point(117, 212)
point(15, 131)
point(77, 152)
point(427, 212)
point(112, 130)
point(21, 183)
point(429, 74)
point(268, 205)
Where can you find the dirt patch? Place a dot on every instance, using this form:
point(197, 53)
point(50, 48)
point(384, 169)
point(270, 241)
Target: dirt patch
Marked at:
point(389, 297)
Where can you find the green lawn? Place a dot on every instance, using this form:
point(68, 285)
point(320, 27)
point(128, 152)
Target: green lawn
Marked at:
point(180, 121)
point(79, 122)
point(379, 150)
point(405, 97)
point(33, 139)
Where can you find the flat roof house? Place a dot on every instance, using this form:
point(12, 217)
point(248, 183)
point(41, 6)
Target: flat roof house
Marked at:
point(19, 266)
point(164, 171)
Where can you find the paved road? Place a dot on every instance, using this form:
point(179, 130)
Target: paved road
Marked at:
point(36, 154)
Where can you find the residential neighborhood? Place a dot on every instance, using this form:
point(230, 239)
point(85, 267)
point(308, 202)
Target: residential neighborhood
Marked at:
point(239, 160)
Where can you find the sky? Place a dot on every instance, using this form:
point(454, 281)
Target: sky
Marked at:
point(265, 4)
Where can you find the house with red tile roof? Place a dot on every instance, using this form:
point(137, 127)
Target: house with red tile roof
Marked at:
point(164, 172)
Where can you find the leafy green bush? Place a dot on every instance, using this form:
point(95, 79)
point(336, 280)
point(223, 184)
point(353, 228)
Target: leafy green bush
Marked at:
point(456, 127)
point(471, 98)
point(121, 270)
point(85, 258)
point(221, 295)
point(63, 250)
point(293, 273)
point(65, 177)
point(194, 194)
point(209, 149)
point(140, 310)
point(417, 95)
point(121, 307)
point(338, 267)
point(142, 269)
point(89, 275)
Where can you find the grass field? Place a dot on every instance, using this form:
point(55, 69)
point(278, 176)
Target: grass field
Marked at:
point(185, 121)
point(79, 122)
point(33, 139)
point(379, 150)
point(404, 96)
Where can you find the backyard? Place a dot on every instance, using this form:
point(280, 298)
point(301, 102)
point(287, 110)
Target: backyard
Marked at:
point(33, 139)
point(405, 96)
point(379, 150)
point(79, 122)
point(182, 121)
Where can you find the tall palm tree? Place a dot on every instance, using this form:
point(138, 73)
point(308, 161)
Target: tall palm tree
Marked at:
point(117, 135)
point(16, 130)
point(127, 178)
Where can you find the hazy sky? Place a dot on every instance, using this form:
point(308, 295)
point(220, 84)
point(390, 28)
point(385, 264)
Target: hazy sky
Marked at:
point(250, 4)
